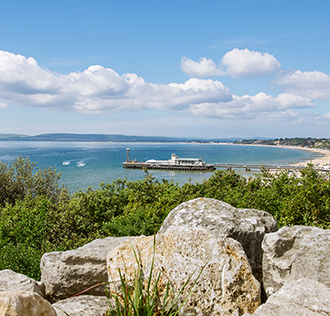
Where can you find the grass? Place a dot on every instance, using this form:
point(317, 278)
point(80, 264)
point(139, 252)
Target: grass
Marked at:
point(142, 299)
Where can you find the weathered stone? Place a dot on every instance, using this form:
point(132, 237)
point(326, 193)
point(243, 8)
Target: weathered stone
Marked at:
point(12, 281)
point(293, 253)
point(301, 297)
point(226, 285)
point(20, 303)
point(82, 305)
point(247, 226)
point(71, 272)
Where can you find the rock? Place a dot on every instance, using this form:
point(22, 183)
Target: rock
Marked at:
point(12, 281)
point(226, 285)
point(82, 305)
point(20, 303)
point(293, 253)
point(301, 297)
point(71, 272)
point(247, 226)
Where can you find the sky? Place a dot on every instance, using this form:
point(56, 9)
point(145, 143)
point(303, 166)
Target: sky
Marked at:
point(208, 69)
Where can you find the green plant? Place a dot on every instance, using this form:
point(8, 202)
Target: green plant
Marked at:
point(144, 299)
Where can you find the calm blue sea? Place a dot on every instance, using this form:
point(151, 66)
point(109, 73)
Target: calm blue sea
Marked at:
point(88, 164)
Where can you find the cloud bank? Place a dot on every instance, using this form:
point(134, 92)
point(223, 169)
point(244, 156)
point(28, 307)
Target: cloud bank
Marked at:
point(235, 63)
point(99, 90)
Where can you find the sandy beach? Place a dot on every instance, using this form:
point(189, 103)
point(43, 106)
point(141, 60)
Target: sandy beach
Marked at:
point(321, 161)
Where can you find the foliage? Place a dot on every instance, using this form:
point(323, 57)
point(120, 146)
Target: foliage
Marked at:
point(37, 215)
point(19, 179)
point(309, 142)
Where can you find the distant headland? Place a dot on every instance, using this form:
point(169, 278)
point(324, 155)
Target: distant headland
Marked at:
point(317, 143)
point(68, 137)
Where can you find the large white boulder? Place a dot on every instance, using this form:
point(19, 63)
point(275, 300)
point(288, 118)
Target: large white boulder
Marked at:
point(226, 285)
point(247, 226)
point(82, 305)
point(301, 297)
point(293, 253)
point(12, 281)
point(66, 273)
point(21, 303)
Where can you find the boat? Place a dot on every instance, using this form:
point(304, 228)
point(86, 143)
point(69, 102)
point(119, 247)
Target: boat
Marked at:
point(80, 164)
point(66, 163)
point(175, 163)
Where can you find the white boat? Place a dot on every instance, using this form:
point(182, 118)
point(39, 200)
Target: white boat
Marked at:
point(66, 163)
point(80, 164)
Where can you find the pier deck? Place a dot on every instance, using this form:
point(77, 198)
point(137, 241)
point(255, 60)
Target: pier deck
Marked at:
point(145, 165)
point(267, 167)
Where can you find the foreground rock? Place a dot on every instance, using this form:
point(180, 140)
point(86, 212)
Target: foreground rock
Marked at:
point(71, 272)
point(293, 253)
point(302, 297)
point(226, 285)
point(20, 303)
point(82, 305)
point(12, 281)
point(247, 226)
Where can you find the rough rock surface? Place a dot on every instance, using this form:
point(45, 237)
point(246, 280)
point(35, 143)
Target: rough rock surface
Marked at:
point(301, 297)
point(71, 272)
point(82, 305)
point(12, 281)
point(226, 285)
point(20, 303)
point(293, 253)
point(247, 226)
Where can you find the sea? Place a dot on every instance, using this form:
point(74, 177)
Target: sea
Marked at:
point(85, 164)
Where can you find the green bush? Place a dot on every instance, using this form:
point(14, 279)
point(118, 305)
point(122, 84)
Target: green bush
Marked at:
point(38, 215)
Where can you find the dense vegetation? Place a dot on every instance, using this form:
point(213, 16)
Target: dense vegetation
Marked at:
point(38, 215)
point(323, 143)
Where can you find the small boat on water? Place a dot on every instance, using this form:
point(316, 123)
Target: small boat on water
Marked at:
point(66, 163)
point(175, 163)
point(80, 164)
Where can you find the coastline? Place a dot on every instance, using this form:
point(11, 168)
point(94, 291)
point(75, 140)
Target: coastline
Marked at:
point(321, 161)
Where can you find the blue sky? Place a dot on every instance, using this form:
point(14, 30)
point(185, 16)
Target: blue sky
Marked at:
point(166, 68)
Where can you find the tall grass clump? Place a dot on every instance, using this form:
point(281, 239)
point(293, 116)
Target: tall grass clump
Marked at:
point(142, 298)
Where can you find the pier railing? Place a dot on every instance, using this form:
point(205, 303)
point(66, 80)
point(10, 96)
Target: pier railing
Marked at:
point(267, 167)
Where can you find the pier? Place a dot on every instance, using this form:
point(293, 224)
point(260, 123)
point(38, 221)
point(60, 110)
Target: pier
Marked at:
point(267, 167)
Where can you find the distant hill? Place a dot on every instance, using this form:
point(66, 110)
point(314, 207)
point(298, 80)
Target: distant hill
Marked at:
point(104, 138)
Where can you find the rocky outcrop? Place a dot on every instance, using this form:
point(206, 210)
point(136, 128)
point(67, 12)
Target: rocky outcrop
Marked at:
point(226, 285)
point(301, 297)
point(293, 253)
point(247, 226)
point(82, 305)
point(20, 303)
point(12, 281)
point(70, 272)
point(201, 235)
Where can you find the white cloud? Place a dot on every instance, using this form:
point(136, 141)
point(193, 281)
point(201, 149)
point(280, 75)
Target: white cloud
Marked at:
point(246, 63)
point(235, 63)
point(3, 104)
point(97, 90)
point(203, 68)
point(251, 107)
point(310, 84)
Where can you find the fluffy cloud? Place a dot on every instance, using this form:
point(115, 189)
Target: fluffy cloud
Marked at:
point(310, 84)
point(97, 90)
point(203, 68)
point(235, 63)
point(246, 63)
point(251, 107)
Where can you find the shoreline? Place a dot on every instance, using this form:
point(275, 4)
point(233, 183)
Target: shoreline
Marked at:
point(321, 161)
